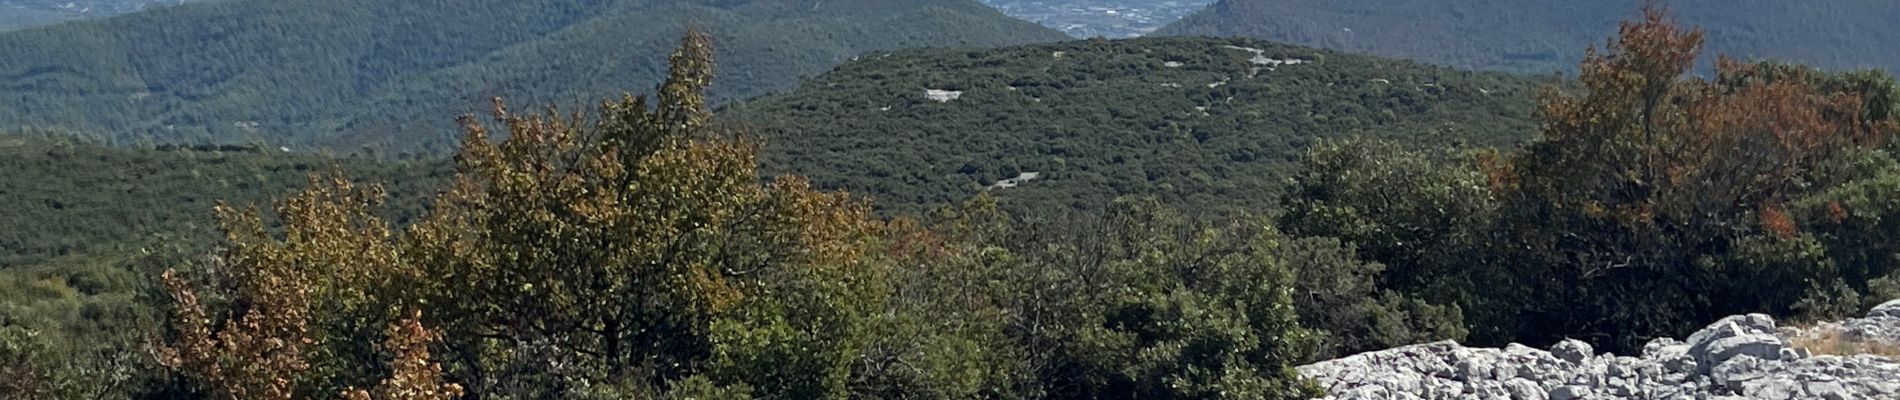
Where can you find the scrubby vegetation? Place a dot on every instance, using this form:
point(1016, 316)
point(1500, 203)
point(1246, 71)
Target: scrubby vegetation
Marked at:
point(72, 198)
point(1201, 123)
point(637, 250)
point(1651, 203)
point(635, 253)
point(1543, 36)
point(89, 225)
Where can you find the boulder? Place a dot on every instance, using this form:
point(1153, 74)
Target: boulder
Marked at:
point(1524, 389)
point(1827, 390)
point(1773, 389)
point(1572, 350)
point(1758, 345)
point(1569, 393)
point(1889, 309)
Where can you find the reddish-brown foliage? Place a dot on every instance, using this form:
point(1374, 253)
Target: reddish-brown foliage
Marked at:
point(413, 376)
point(1647, 145)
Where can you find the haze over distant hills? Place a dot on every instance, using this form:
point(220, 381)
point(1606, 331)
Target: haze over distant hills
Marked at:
point(389, 73)
point(1104, 18)
point(1212, 123)
point(20, 14)
point(1549, 35)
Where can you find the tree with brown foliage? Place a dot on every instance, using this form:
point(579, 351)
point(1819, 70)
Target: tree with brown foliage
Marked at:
point(281, 315)
point(614, 243)
point(413, 376)
point(1652, 185)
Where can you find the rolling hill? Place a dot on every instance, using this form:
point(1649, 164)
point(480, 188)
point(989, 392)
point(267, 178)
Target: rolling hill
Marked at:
point(350, 73)
point(72, 199)
point(1550, 35)
point(1212, 123)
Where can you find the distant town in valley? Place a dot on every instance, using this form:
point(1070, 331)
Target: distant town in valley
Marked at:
point(1104, 18)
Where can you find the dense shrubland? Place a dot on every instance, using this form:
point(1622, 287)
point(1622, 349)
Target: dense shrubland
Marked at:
point(636, 250)
point(1192, 121)
point(1652, 202)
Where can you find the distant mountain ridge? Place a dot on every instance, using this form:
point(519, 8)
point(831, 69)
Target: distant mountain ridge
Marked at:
point(1549, 35)
point(350, 73)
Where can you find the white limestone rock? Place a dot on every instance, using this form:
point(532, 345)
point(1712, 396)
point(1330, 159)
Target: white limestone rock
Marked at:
point(1739, 357)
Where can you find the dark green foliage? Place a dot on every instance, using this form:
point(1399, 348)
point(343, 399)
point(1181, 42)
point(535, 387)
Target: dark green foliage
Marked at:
point(89, 226)
point(1856, 221)
point(1550, 35)
point(1137, 301)
point(72, 198)
point(1100, 119)
point(75, 329)
point(1408, 210)
point(389, 74)
point(1340, 298)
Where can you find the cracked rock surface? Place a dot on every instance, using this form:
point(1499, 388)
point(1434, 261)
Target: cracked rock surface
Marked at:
point(1739, 357)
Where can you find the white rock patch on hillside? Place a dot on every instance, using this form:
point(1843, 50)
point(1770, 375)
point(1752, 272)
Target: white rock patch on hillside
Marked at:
point(1260, 57)
point(942, 96)
point(1017, 181)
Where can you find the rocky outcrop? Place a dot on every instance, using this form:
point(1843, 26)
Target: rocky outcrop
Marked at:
point(1739, 357)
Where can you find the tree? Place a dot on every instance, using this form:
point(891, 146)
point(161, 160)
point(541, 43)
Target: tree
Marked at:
point(1652, 201)
point(281, 316)
point(1339, 298)
point(1650, 186)
point(1141, 302)
point(1425, 222)
point(638, 247)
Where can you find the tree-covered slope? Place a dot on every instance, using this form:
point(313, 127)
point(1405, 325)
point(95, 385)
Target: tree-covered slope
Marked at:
point(358, 72)
point(65, 199)
point(1207, 122)
point(1550, 35)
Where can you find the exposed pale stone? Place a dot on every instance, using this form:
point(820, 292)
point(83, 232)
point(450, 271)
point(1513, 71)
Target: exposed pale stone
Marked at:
point(1739, 357)
point(1572, 350)
point(1889, 309)
point(942, 96)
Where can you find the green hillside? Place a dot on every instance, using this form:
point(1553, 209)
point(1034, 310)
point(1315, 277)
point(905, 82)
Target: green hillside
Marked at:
point(1550, 35)
point(65, 199)
point(1195, 121)
point(349, 73)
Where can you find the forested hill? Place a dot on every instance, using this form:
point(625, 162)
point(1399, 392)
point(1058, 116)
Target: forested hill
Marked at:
point(348, 73)
point(1207, 122)
point(64, 199)
point(1550, 35)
